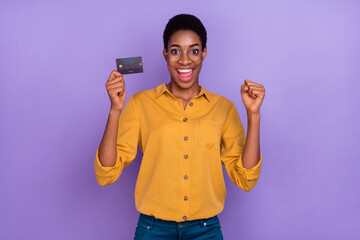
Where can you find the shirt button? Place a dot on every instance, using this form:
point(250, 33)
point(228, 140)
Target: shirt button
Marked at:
point(186, 138)
point(184, 119)
point(186, 177)
point(186, 156)
point(191, 104)
point(185, 198)
point(184, 217)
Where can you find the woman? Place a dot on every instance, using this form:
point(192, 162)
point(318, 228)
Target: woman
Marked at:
point(185, 133)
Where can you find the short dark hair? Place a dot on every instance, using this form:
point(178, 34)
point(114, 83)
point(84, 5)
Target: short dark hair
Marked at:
point(184, 22)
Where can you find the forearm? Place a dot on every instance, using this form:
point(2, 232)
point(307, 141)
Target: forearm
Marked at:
point(107, 148)
point(251, 154)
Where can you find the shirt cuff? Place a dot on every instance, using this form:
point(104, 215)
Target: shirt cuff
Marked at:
point(103, 171)
point(250, 173)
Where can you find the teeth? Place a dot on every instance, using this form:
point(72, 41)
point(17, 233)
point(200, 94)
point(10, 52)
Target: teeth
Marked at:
point(184, 70)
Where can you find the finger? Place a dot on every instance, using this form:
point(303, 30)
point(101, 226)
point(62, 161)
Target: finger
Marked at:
point(254, 93)
point(254, 85)
point(116, 91)
point(116, 79)
point(114, 74)
point(120, 94)
point(250, 83)
point(244, 88)
point(249, 89)
point(114, 85)
point(118, 87)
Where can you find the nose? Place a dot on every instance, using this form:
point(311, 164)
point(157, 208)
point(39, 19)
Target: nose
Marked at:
point(184, 59)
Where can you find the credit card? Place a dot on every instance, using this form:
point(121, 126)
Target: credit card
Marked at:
point(129, 65)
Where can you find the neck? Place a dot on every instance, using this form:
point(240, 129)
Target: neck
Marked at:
point(183, 94)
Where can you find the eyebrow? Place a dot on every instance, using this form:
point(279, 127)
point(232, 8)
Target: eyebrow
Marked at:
point(177, 45)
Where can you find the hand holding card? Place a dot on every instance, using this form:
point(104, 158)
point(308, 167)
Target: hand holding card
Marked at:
point(129, 65)
point(115, 86)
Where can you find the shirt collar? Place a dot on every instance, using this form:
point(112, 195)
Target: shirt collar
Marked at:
point(161, 89)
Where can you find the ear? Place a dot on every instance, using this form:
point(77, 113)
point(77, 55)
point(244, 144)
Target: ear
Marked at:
point(204, 53)
point(164, 54)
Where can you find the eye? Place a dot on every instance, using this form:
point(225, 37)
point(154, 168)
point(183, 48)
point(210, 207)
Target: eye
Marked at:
point(194, 51)
point(174, 52)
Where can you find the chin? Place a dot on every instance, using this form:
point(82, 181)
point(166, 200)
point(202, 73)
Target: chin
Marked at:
point(185, 85)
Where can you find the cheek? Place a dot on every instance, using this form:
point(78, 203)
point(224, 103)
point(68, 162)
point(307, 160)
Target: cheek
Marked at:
point(170, 67)
point(198, 67)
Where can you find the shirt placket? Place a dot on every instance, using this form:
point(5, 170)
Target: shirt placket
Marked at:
point(187, 139)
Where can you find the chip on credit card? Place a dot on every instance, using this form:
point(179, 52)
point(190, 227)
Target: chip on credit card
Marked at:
point(129, 65)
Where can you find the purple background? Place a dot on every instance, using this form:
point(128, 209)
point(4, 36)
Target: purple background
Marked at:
point(56, 56)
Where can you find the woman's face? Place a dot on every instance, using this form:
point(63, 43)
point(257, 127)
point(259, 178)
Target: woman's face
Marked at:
point(184, 59)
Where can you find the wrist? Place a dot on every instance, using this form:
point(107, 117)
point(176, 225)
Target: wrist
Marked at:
point(115, 112)
point(253, 116)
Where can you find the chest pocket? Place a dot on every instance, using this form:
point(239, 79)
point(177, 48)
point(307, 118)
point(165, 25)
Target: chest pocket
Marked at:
point(209, 134)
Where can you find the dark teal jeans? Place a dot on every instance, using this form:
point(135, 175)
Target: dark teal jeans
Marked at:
point(156, 229)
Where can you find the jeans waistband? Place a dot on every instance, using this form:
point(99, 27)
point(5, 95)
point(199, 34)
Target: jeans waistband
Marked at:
point(149, 221)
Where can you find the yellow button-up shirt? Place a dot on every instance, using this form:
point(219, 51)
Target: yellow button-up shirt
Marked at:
point(180, 176)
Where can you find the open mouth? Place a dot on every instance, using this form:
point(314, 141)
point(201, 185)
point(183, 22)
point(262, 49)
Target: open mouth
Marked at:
point(185, 74)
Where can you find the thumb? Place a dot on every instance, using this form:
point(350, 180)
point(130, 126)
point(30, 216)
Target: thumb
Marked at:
point(244, 88)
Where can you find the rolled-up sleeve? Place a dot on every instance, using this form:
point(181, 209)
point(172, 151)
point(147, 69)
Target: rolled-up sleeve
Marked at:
point(232, 148)
point(126, 149)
